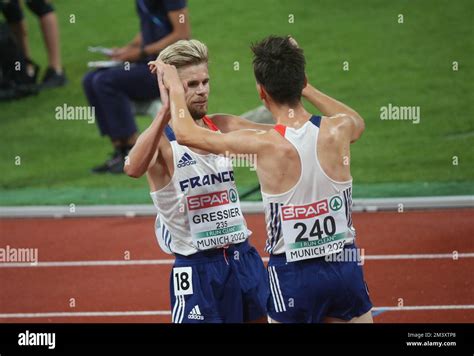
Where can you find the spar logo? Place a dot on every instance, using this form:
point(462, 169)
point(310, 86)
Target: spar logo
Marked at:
point(208, 200)
point(233, 195)
point(335, 203)
point(296, 212)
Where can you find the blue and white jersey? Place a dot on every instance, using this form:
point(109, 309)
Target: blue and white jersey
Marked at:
point(314, 217)
point(199, 209)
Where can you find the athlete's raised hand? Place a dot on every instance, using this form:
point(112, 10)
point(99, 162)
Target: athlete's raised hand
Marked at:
point(167, 72)
point(306, 89)
point(164, 95)
point(293, 41)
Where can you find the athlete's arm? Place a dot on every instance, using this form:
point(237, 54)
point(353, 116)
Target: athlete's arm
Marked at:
point(145, 151)
point(189, 134)
point(227, 123)
point(332, 108)
point(186, 131)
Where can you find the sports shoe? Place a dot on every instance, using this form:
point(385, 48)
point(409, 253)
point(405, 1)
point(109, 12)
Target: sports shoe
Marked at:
point(52, 79)
point(114, 164)
point(23, 83)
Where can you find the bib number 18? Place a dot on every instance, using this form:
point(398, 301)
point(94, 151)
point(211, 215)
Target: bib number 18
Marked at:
point(183, 280)
point(327, 228)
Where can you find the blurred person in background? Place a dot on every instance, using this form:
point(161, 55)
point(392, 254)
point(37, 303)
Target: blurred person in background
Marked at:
point(110, 91)
point(54, 75)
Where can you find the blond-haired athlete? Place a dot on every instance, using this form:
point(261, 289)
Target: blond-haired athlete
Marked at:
point(217, 275)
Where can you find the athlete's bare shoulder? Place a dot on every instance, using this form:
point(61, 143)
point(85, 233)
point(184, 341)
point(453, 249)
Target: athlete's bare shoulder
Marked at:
point(342, 127)
point(336, 128)
point(276, 144)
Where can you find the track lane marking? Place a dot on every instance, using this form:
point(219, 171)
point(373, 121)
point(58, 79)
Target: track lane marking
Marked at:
point(171, 261)
point(168, 312)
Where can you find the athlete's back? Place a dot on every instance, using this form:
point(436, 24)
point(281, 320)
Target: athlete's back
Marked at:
point(312, 186)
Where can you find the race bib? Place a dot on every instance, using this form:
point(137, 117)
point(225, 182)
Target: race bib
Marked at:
point(183, 280)
point(216, 219)
point(314, 230)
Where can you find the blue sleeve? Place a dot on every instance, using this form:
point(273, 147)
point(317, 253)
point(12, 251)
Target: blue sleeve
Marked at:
point(173, 5)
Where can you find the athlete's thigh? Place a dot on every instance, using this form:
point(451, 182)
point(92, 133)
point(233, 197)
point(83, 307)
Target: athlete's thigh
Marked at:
point(253, 279)
point(291, 299)
point(351, 303)
point(363, 319)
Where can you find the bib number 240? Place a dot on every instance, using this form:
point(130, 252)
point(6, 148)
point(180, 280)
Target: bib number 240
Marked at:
point(326, 228)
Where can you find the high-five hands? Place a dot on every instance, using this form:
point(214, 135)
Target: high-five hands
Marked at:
point(164, 94)
point(167, 72)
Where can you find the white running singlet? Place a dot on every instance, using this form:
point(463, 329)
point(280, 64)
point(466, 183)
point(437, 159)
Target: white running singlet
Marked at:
point(313, 218)
point(199, 209)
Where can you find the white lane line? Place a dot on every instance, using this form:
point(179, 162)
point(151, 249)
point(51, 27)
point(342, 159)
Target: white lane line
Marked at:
point(86, 263)
point(168, 312)
point(451, 256)
point(84, 314)
point(425, 307)
point(419, 256)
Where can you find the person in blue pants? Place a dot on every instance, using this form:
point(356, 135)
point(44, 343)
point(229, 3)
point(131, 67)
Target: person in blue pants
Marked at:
point(110, 90)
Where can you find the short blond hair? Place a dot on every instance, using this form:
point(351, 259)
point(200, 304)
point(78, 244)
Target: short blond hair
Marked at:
point(184, 53)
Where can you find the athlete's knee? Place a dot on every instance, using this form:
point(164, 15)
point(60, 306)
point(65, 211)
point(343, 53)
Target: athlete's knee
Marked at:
point(40, 7)
point(363, 319)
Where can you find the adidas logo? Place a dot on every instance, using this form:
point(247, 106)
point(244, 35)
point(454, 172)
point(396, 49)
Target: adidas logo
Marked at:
point(186, 160)
point(195, 313)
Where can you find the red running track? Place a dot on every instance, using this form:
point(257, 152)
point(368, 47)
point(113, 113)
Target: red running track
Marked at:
point(413, 282)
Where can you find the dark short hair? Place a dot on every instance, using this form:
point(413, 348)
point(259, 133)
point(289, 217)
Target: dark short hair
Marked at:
point(279, 66)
